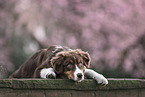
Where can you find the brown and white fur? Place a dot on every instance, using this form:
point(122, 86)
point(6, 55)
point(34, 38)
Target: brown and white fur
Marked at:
point(59, 62)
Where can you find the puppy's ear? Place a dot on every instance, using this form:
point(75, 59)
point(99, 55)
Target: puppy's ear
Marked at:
point(57, 64)
point(86, 58)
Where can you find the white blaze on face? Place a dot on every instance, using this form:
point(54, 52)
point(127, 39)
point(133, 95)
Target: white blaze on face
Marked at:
point(78, 71)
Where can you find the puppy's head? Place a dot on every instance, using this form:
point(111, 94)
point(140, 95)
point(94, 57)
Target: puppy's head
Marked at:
point(71, 64)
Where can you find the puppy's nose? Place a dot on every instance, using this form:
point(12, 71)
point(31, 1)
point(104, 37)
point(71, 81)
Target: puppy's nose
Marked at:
point(79, 75)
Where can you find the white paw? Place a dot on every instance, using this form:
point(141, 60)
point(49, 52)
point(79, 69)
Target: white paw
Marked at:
point(96, 76)
point(48, 73)
point(101, 80)
point(51, 75)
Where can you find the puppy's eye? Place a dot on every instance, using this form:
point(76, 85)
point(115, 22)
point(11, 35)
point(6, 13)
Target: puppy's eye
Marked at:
point(69, 67)
point(81, 65)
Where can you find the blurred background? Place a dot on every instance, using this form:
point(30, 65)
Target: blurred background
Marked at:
point(112, 31)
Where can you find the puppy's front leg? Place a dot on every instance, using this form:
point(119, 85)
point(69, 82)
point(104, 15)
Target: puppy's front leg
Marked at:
point(96, 76)
point(47, 73)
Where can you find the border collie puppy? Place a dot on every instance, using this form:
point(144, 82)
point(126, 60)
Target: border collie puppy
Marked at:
point(59, 62)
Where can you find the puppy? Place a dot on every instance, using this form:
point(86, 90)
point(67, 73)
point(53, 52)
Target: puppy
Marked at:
point(59, 62)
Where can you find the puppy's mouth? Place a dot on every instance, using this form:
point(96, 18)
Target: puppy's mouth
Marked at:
point(76, 80)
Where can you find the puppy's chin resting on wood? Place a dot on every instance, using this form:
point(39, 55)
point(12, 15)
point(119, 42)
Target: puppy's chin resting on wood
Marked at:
point(59, 62)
